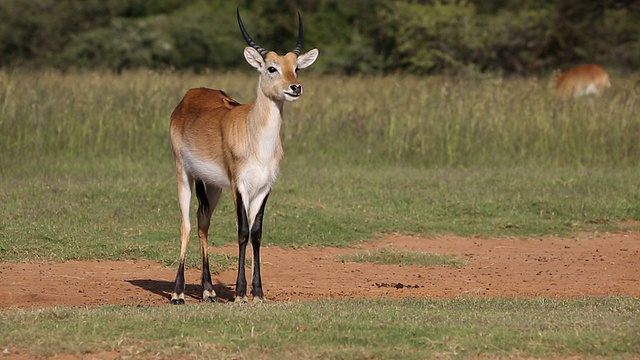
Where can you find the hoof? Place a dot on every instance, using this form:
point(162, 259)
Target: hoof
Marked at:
point(209, 296)
point(259, 300)
point(210, 299)
point(241, 300)
point(177, 301)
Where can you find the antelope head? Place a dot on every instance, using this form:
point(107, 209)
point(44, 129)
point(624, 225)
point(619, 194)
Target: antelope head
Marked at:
point(278, 74)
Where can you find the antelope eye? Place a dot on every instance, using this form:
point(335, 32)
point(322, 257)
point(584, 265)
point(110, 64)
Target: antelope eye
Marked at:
point(271, 69)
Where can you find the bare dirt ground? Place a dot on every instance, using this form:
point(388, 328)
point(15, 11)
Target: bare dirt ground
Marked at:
point(587, 265)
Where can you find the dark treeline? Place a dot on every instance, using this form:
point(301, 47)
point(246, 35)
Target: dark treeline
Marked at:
point(355, 36)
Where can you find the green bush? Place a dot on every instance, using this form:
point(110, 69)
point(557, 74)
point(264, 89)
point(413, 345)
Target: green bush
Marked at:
point(359, 36)
point(124, 44)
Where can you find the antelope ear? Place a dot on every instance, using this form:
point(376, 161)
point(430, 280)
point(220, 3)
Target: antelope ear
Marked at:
point(254, 58)
point(305, 60)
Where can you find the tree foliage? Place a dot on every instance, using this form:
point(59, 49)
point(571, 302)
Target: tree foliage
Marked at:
point(357, 36)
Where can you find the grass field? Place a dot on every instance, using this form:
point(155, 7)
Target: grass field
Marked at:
point(411, 329)
point(86, 173)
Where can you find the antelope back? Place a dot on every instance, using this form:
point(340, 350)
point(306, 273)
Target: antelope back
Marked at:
point(197, 120)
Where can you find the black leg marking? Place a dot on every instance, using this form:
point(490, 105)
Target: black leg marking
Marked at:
point(178, 292)
point(256, 239)
point(208, 294)
point(204, 220)
point(203, 201)
point(243, 239)
point(204, 209)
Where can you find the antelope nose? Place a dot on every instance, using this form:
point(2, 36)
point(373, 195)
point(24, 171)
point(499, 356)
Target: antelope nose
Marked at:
point(296, 88)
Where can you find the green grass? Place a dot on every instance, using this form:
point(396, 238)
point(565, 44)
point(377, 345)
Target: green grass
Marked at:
point(122, 209)
point(86, 172)
point(411, 329)
point(434, 121)
point(401, 257)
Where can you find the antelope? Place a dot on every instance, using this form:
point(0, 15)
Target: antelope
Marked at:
point(588, 79)
point(219, 143)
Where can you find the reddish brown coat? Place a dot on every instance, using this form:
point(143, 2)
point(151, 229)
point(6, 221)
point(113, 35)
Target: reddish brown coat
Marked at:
point(588, 79)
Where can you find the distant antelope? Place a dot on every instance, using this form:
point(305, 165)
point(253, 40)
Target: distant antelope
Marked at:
point(589, 79)
point(219, 143)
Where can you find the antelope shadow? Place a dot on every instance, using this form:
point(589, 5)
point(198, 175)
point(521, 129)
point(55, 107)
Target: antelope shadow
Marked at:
point(163, 288)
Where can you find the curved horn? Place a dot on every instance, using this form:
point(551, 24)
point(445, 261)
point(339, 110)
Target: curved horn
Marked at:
point(247, 38)
point(298, 47)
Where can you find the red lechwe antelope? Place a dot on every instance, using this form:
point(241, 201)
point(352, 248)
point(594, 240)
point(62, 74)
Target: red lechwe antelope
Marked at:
point(588, 79)
point(219, 143)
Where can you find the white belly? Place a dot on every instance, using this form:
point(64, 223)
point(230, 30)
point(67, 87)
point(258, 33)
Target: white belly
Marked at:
point(209, 172)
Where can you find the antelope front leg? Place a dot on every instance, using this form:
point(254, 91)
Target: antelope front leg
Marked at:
point(256, 239)
point(254, 221)
point(243, 239)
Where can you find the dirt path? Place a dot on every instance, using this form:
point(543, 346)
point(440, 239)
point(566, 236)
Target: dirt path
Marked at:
point(594, 265)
